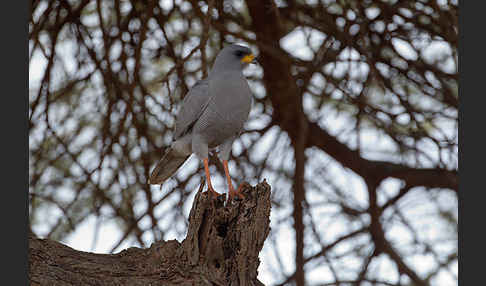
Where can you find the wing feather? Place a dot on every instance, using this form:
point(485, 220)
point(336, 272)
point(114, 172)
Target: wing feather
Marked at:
point(193, 106)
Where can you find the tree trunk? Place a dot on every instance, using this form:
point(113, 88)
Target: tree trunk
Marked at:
point(221, 248)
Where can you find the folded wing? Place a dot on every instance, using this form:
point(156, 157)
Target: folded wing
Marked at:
point(193, 106)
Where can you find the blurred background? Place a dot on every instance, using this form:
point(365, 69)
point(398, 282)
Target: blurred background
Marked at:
point(354, 125)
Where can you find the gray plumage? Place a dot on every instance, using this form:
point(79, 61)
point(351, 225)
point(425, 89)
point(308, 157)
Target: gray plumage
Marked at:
point(212, 114)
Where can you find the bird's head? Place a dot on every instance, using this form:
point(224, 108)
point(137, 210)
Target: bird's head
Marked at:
point(235, 56)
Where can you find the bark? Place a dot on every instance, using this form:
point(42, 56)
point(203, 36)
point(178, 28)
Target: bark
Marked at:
point(221, 248)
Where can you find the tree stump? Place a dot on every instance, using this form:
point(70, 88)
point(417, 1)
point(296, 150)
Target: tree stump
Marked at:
point(221, 248)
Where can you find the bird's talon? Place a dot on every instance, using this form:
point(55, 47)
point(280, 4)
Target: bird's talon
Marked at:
point(232, 196)
point(237, 193)
point(213, 193)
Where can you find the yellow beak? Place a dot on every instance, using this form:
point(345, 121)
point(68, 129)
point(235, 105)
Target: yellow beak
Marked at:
point(248, 58)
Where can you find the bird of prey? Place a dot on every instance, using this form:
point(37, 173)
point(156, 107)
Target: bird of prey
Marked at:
point(212, 115)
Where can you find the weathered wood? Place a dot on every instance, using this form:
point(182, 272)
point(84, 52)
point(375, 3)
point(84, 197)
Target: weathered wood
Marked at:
point(221, 248)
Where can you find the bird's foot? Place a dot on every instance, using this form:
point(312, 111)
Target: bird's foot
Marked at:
point(236, 193)
point(213, 193)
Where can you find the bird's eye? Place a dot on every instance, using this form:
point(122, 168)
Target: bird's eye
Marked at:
point(239, 54)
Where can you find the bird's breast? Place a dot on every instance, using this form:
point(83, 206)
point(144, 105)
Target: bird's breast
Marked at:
point(227, 110)
point(231, 98)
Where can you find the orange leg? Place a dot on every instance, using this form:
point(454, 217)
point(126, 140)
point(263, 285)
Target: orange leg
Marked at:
point(232, 191)
point(208, 179)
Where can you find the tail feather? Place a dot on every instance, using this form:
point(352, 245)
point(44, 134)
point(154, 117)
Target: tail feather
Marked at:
point(167, 166)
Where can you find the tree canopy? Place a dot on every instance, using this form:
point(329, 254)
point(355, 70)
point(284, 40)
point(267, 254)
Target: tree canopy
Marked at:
point(354, 125)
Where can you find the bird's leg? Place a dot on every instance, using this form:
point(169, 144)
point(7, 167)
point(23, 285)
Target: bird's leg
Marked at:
point(208, 179)
point(232, 191)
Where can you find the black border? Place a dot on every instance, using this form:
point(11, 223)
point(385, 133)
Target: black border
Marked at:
point(14, 137)
point(471, 157)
